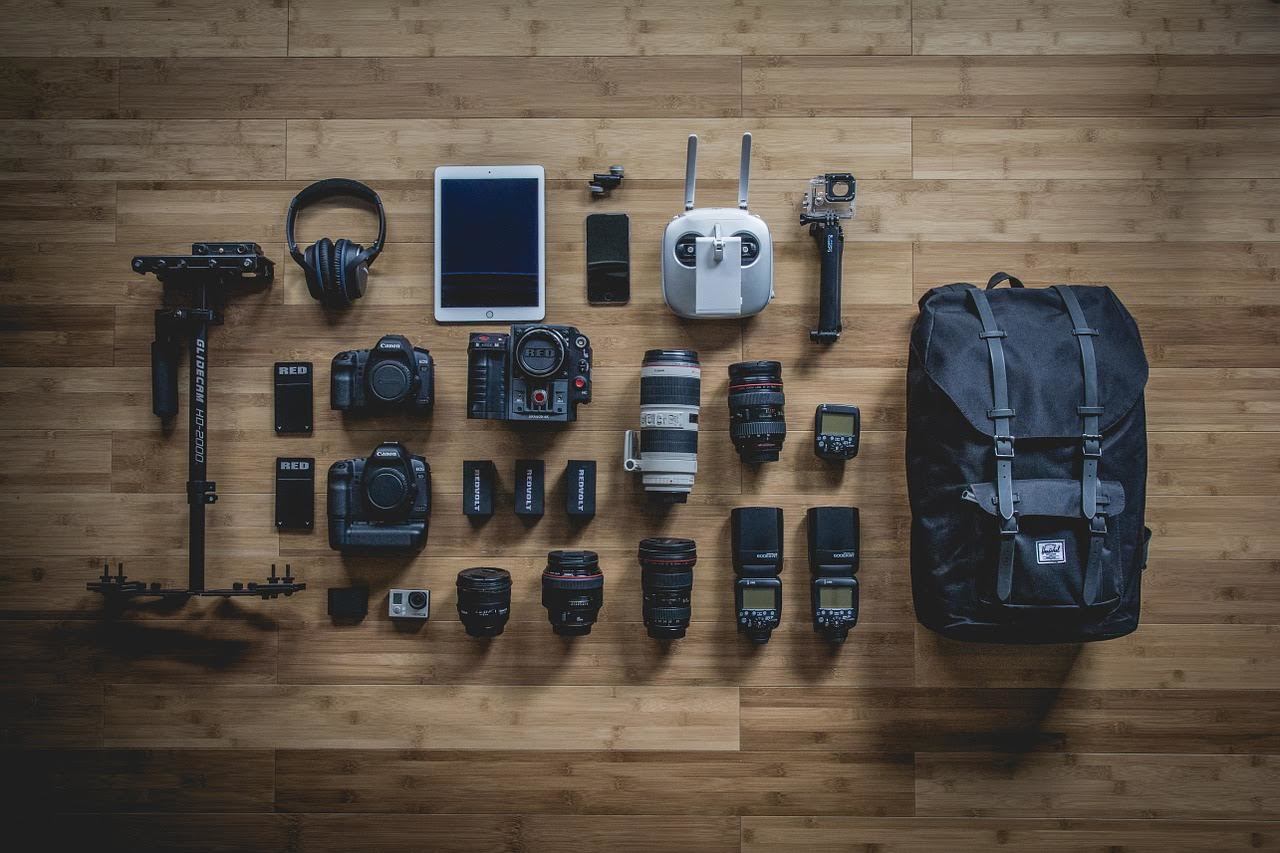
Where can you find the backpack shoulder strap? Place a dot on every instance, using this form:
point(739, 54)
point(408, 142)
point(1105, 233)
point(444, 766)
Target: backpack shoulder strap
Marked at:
point(1000, 413)
point(1091, 435)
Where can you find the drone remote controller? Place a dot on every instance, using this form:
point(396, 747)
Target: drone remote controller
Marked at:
point(717, 262)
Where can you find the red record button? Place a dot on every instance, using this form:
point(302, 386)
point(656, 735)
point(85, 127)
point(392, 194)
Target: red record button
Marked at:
point(579, 383)
point(539, 396)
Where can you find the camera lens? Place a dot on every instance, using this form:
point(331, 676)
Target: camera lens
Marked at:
point(666, 577)
point(667, 451)
point(484, 600)
point(540, 351)
point(572, 591)
point(757, 422)
point(417, 599)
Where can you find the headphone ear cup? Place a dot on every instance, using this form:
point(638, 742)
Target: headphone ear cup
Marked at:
point(355, 272)
point(311, 271)
point(324, 271)
point(339, 293)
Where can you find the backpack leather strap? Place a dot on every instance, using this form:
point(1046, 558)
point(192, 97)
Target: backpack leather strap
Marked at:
point(1090, 441)
point(1000, 414)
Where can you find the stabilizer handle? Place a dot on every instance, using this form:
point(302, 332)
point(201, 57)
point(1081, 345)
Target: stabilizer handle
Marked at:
point(830, 239)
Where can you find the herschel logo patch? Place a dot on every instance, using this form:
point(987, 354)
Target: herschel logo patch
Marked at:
point(1051, 551)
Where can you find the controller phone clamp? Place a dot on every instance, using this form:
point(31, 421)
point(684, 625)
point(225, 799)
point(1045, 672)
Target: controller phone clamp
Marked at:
point(717, 262)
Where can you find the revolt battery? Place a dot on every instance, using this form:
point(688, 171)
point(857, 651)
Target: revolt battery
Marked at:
point(530, 486)
point(580, 489)
point(479, 477)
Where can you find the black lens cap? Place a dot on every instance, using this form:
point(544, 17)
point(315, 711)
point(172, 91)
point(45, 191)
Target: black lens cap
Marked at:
point(390, 381)
point(387, 488)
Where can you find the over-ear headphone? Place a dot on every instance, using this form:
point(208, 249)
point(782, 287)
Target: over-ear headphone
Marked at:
point(336, 271)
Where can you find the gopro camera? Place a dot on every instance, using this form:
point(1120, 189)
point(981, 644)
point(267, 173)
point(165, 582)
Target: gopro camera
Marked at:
point(828, 200)
point(409, 603)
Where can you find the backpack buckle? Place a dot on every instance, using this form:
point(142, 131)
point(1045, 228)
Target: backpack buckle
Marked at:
point(1098, 523)
point(1004, 446)
point(1091, 445)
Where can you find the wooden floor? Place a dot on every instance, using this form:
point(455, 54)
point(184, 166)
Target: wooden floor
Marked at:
point(1128, 142)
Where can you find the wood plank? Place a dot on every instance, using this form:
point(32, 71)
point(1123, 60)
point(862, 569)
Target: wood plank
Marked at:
point(593, 783)
point(895, 211)
point(138, 28)
point(427, 87)
point(481, 717)
point(1093, 26)
point(34, 458)
point(832, 834)
point(1017, 720)
point(33, 335)
point(1210, 463)
point(50, 717)
point(571, 149)
point(59, 88)
point(176, 833)
point(115, 149)
point(1011, 85)
point(1241, 399)
point(238, 648)
point(135, 780)
point(148, 524)
point(1097, 785)
point(74, 212)
point(615, 653)
point(1187, 274)
point(59, 274)
point(1198, 590)
point(399, 28)
point(1160, 657)
point(1095, 147)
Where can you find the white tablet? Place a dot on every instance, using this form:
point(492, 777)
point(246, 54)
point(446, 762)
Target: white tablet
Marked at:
point(490, 256)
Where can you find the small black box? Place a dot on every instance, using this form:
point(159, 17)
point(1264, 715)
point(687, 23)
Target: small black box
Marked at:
point(295, 493)
point(529, 487)
point(348, 602)
point(580, 489)
point(478, 479)
point(293, 397)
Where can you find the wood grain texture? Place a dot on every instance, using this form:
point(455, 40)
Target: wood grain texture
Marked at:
point(639, 27)
point(1011, 85)
point(1093, 26)
point(1127, 144)
point(412, 87)
point(145, 28)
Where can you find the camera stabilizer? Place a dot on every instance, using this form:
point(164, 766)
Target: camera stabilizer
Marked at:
point(207, 273)
point(829, 199)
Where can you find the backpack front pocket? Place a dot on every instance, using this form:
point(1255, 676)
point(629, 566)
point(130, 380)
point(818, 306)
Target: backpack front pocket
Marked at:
point(1051, 560)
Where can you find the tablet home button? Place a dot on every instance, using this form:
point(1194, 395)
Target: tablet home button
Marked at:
point(488, 315)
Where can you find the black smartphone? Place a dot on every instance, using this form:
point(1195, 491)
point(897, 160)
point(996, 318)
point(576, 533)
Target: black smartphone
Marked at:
point(608, 258)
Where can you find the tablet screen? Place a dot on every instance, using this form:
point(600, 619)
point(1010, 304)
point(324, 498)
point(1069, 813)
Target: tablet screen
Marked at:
point(488, 242)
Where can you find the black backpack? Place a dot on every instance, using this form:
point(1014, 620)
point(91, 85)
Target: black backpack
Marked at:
point(1026, 463)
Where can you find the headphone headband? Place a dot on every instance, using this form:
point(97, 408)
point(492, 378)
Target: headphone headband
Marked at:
point(329, 188)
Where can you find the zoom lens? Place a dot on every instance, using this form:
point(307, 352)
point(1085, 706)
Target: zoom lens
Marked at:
point(666, 447)
point(484, 600)
point(757, 420)
point(666, 577)
point(572, 591)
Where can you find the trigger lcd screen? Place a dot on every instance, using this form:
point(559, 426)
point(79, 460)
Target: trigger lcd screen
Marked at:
point(488, 242)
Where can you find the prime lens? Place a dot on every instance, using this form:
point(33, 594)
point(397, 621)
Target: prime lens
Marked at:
point(666, 578)
point(572, 591)
point(484, 600)
point(666, 448)
point(757, 419)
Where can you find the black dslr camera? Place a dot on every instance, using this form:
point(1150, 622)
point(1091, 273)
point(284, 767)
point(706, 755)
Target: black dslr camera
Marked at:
point(394, 373)
point(536, 373)
point(380, 503)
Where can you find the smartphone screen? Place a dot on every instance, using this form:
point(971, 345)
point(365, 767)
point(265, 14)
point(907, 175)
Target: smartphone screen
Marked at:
point(608, 258)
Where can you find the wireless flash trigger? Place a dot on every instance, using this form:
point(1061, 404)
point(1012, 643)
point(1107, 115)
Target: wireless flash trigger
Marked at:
point(337, 271)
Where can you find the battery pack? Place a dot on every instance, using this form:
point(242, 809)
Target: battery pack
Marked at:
point(479, 477)
point(530, 486)
point(580, 489)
